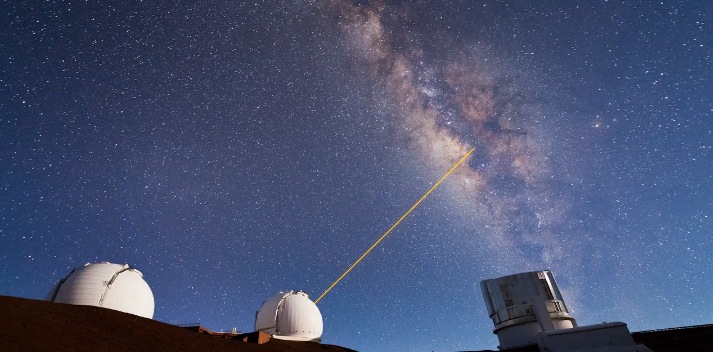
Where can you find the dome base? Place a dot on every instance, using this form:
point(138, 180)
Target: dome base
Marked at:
point(298, 338)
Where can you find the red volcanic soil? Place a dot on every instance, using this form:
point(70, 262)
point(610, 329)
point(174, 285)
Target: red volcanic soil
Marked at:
point(30, 325)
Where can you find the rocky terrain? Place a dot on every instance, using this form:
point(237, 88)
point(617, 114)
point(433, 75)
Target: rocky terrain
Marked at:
point(31, 325)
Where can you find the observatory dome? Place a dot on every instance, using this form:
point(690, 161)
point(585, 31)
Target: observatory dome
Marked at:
point(107, 285)
point(290, 316)
point(524, 305)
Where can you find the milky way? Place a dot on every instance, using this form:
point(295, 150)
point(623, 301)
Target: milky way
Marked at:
point(448, 105)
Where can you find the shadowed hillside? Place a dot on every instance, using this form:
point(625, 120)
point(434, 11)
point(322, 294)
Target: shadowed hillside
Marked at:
point(30, 325)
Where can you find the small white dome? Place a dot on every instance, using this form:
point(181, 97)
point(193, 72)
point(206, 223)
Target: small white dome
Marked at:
point(290, 316)
point(107, 285)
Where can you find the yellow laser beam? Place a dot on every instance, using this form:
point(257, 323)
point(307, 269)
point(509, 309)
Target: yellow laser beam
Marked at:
point(394, 225)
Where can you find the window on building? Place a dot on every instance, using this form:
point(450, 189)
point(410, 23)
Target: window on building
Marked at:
point(511, 313)
point(507, 296)
point(547, 289)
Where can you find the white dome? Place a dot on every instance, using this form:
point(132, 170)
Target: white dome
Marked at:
point(106, 285)
point(290, 316)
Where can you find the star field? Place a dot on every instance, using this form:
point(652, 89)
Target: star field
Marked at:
point(233, 150)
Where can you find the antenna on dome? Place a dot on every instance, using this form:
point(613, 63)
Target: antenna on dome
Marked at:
point(394, 225)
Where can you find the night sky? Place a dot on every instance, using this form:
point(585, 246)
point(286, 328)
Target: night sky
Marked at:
point(233, 150)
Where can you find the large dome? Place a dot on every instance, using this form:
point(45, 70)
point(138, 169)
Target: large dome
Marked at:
point(107, 285)
point(290, 316)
